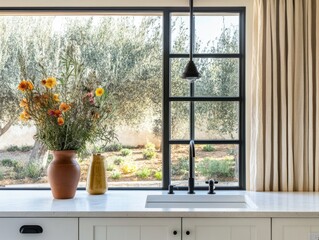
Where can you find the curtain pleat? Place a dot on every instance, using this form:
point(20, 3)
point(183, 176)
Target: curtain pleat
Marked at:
point(285, 90)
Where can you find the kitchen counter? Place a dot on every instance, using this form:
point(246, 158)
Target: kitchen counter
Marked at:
point(27, 203)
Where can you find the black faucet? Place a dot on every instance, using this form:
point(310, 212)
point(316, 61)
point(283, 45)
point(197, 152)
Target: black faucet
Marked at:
point(191, 180)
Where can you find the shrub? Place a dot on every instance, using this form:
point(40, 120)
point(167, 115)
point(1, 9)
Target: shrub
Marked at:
point(158, 175)
point(26, 148)
point(232, 151)
point(13, 148)
point(150, 151)
point(143, 173)
point(18, 169)
point(180, 168)
point(149, 154)
point(128, 168)
point(213, 168)
point(126, 152)
point(118, 161)
point(115, 147)
point(33, 170)
point(115, 175)
point(1, 175)
point(7, 162)
point(209, 148)
point(110, 167)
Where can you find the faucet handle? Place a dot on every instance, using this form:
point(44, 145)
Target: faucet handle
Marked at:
point(171, 189)
point(211, 186)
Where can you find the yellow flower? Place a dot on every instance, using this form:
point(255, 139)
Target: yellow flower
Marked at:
point(60, 121)
point(23, 103)
point(99, 92)
point(50, 82)
point(64, 107)
point(24, 116)
point(56, 97)
point(25, 85)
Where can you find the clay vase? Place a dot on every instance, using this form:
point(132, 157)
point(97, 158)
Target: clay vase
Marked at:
point(64, 174)
point(96, 179)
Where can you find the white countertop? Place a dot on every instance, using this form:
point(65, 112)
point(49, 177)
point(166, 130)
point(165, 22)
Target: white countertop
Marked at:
point(27, 203)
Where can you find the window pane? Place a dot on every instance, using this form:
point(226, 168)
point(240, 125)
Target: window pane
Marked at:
point(219, 162)
point(180, 120)
point(124, 50)
point(214, 33)
point(220, 77)
point(217, 33)
point(216, 120)
point(179, 87)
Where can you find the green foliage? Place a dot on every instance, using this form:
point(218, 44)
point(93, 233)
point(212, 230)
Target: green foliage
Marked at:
point(143, 173)
point(116, 175)
point(115, 147)
point(150, 151)
point(110, 167)
point(209, 148)
point(126, 152)
point(33, 170)
point(18, 169)
point(158, 175)
point(1, 175)
point(26, 148)
point(8, 162)
point(180, 168)
point(13, 148)
point(232, 151)
point(118, 161)
point(219, 169)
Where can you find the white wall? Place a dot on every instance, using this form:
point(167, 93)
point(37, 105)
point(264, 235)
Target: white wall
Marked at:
point(162, 3)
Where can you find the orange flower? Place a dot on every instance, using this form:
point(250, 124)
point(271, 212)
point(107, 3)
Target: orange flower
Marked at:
point(30, 85)
point(24, 116)
point(64, 107)
point(56, 97)
point(23, 86)
point(57, 113)
point(23, 103)
point(50, 82)
point(99, 92)
point(60, 121)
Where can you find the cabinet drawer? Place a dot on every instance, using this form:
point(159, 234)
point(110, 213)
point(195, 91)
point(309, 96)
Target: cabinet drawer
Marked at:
point(52, 228)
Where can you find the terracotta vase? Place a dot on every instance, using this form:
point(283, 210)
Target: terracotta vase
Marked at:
point(64, 174)
point(96, 179)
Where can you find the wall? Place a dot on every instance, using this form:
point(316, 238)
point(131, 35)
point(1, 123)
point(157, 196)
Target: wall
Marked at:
point(163, 3)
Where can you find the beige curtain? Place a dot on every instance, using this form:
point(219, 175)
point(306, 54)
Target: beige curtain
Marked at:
point(285, 96)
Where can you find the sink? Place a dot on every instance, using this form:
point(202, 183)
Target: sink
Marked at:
point(198, 201)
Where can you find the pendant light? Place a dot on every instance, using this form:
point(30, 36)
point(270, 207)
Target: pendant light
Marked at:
point(191, 73)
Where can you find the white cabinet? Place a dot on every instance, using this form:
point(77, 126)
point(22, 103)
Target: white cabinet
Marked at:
point(295, 228)
point(52, 228)
point(170, 229)
point(130, 229)
point(226, 229)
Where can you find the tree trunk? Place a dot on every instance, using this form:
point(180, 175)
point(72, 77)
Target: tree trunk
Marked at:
point(6, 127)
point(39, 154)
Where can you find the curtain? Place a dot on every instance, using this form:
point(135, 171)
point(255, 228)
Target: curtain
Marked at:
point(284, 152)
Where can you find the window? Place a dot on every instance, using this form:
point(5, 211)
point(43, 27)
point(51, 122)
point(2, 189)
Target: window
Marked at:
point(142, 54)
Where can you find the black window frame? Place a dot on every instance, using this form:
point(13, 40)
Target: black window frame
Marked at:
point(167, 99)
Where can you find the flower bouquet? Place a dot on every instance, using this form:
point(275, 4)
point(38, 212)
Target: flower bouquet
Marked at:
point(68, 111)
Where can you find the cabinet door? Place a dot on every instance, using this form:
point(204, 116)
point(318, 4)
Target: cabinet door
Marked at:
point(130, 229)
point(52, 228)
point(295, 228)
point(226, 228)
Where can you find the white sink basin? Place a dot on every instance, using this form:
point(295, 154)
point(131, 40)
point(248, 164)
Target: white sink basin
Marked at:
point(198, 201)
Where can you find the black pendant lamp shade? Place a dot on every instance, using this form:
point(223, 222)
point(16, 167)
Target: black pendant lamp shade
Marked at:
point(191, 73)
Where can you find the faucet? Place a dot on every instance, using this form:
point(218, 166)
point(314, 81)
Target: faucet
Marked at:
point(191, 180)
